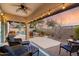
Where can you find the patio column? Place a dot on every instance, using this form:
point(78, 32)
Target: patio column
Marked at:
point(27, 28)
point(2, 28)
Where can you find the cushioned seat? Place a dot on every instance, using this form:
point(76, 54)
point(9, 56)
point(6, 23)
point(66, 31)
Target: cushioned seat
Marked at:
point(17, 42)
point(70, 48)
point(2, 51)
point(20, 50)
point(67, 47)
point(15, 50)
point(25, 42)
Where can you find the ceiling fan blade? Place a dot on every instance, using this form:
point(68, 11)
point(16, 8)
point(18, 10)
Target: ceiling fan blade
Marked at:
point(27, 8)
point(18, 9)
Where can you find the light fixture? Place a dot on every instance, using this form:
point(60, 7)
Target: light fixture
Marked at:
point(63, 7)
point(1, 14)
point(41, 16)
point(49, 13)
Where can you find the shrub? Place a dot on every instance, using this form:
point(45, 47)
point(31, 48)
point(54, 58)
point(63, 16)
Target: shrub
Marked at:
point(76, 32)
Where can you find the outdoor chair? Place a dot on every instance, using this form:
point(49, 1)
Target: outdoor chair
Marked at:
point(17, 42)
point(69, 48)
point(18, 50)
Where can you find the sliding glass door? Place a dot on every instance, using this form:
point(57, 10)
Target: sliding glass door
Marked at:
point(19, 28)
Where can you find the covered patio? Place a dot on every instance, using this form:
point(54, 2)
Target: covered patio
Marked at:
point(40, 27)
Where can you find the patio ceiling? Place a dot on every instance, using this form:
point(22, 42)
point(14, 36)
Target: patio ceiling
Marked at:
point(37, 9)
point(11, 8)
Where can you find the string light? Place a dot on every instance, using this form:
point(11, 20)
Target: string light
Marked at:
point(1, 14)
point(50, 11)
point(63, 7)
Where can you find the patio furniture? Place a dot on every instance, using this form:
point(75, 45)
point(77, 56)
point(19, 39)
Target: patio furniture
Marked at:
point(25, 42)
point(70, 48)
point(70, 41)
point(78, 53)
point(17, 41)
point(2, 51)
point(19, 50)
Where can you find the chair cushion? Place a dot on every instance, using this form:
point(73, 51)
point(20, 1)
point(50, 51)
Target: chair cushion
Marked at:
point(8, 49)
point(19, 50)
point(25, 43)
point(2, 49)
point(19, 40)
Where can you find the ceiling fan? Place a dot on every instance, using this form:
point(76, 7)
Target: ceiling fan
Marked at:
point(22, 7)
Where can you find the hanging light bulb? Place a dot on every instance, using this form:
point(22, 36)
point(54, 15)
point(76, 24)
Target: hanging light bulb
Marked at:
point(49, 11)
point(41, 16)
point(63, 7)
point(1, 14)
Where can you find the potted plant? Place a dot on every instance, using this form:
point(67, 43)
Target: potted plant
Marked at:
point(76, 32)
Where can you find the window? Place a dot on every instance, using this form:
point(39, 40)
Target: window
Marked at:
point(19, 28)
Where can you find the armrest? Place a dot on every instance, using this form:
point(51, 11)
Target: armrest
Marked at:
point(3, 54)
point(25, 42)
